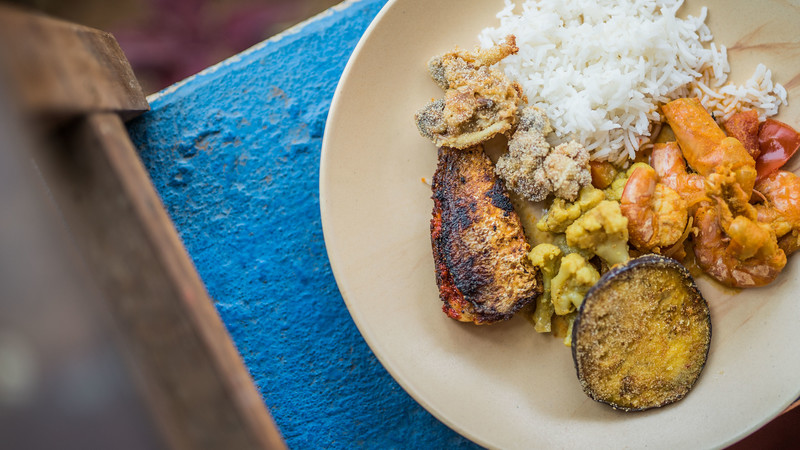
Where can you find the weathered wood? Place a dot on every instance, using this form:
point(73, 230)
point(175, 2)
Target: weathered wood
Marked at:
point(73, 83)
point(201, 391)
point(54, 316)
point(60, 70)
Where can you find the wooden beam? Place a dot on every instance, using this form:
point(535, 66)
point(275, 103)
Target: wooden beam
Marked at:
point(73, 84)
point(198, 385)
point(60, 70)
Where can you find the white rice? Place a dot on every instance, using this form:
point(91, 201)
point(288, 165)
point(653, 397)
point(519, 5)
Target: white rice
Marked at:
point(601, 68)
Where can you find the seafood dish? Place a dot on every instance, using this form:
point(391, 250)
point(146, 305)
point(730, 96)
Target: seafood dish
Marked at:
point(691, 186)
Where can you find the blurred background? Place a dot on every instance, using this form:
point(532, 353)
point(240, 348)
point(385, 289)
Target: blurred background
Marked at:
point(168, 40)
point(66, 379)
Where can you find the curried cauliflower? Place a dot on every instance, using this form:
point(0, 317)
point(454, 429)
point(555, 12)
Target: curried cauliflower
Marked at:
point(575, 232)
point(534, 170)
point(562, 213)
point(603, 230)
point(546, 257)
point(567, 289)
point(560, 241)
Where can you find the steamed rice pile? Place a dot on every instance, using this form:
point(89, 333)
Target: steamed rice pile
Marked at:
point(600, 69)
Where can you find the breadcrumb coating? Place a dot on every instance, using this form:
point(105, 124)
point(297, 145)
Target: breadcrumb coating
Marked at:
point(534, 170)
point(567, 167)
point(479, 102)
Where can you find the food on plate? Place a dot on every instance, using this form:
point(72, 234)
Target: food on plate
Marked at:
point(574, 278)
point(746, 255)
point(562, 213)
point(642, 335)
point(656, 214)
point(781, 209)
point(565, 281)
point(479, 248)
point(777, 142)
point(705, 146)
point(730, 243)
point(744, 127)
point(600, 70)
point(666, 159)
point(575, 242)
point(479, 101)
point(534, 170)
point(634, 145)
point(603, 231)
point(617, 186)
point(592, 226)
point(547, 258)
point(603, 173)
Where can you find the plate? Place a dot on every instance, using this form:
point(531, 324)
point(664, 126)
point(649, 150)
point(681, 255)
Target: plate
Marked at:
point(504, 385)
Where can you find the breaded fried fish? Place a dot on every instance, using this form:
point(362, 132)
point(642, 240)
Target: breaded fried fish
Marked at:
point(479, 249)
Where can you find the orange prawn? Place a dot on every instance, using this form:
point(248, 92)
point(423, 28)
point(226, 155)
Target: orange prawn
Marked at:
point(718, 254)
point(668, 163)
point(656, 213)
point(704, 144)
point(731, 243)
point(781, 190)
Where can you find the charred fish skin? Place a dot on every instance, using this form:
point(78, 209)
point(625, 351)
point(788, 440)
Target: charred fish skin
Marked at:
point(479, 248)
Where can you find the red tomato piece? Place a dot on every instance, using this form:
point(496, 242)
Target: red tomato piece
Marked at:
point(777, 142)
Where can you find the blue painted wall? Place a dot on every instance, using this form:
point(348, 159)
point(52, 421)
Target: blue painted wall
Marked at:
point(234, 153)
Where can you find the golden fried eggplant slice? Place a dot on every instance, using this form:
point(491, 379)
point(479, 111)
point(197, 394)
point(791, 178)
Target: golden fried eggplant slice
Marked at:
point(479, 249)
point(642, 335)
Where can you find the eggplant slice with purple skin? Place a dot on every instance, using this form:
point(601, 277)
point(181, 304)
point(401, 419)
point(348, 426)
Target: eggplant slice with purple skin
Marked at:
point(642, 335)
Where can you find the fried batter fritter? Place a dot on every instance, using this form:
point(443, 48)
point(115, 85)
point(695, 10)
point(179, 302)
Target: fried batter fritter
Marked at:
point(534, 170)
point(479, 101)
point(479, 249)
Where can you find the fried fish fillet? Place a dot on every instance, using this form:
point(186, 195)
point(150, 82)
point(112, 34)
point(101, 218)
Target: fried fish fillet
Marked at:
point(479, 248)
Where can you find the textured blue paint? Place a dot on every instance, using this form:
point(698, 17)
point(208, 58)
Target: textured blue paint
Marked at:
point(234, 154)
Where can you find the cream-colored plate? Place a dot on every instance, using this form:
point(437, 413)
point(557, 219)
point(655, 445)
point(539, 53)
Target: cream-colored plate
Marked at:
point(504, 385)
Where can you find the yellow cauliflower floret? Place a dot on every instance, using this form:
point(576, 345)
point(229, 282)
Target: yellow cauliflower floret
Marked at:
point(546, 257)
point(560, 241)
point(562, 213)
point(603, 230)
point(569, 286)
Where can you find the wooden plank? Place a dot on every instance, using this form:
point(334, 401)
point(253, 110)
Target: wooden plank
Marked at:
point(200, 389)
point(60, 70)
point(73, 83)
point(55, 325)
